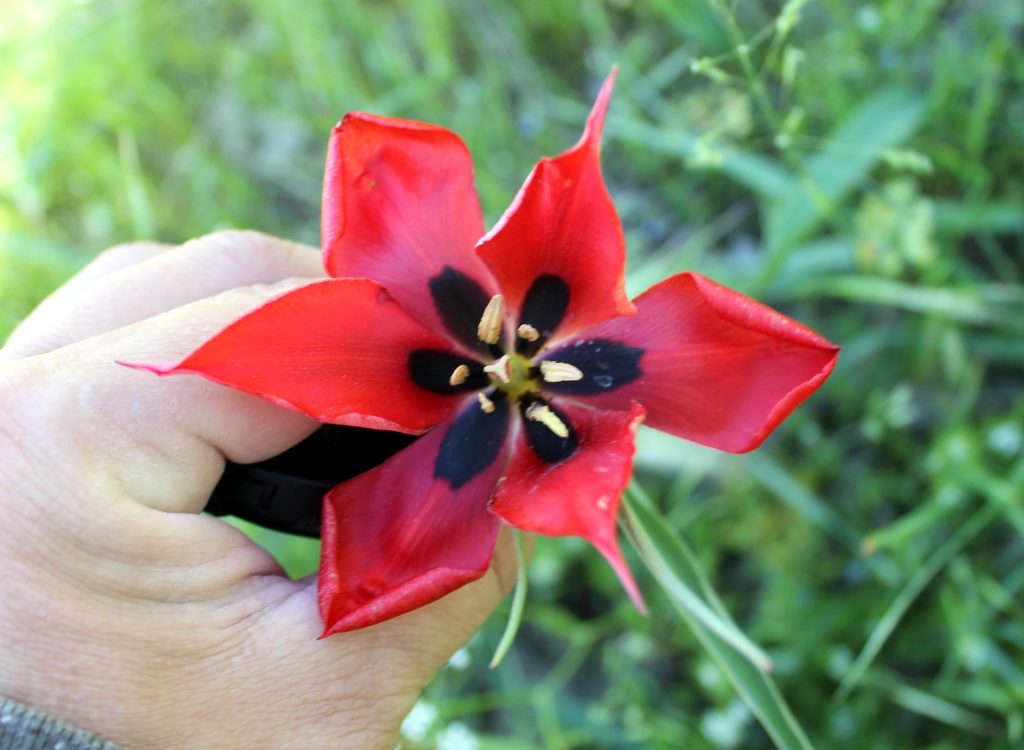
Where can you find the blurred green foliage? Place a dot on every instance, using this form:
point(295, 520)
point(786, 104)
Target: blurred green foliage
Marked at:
point(858, 165)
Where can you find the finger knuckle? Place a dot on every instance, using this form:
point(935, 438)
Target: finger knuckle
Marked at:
point(260, 254)
point(124, 254)
point(235, 246)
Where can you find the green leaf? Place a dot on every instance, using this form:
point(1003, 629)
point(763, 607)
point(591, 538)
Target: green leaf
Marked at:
point(784, 486)
point(676, 568)
point(933, 706)
point(994, 305)
point(853, 148)
point(758, 173)
point(917, 583)
point(958, 218)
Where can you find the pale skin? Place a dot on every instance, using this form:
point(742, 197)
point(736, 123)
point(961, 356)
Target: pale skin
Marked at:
point(122, 609)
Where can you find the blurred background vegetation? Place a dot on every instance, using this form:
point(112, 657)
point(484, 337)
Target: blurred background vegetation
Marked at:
point(859, 165)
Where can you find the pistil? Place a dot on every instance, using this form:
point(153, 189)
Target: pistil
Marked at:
point(501, 369)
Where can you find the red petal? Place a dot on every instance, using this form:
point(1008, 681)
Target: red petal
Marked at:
point(563, 223)
point(717, 367)
point(580, 495)
point(337, 350)
point(398, 537)
point(399, 205)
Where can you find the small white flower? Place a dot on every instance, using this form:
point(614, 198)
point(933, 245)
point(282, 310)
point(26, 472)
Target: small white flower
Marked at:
point(709, 675)
point(460, 660)
point(725, 728)
point(457, 736)
point(419, 722)
point(1006, 439)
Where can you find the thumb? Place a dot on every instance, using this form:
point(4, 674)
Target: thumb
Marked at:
point(452, 620)
point(382, 668)
point(434, 632)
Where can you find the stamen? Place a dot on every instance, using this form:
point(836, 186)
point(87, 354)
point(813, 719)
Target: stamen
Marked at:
point(501, 369)
point(539, 412)
point(485, 403)
point(528, 332)
point(559, 372)
point(459, 376)
point(489, 330)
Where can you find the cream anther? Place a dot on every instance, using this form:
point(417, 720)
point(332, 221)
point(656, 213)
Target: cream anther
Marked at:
point(527, 332)
point(558, 372)
point(485, 403)
point(459, 376)
point(489, 329)
point(539, 412)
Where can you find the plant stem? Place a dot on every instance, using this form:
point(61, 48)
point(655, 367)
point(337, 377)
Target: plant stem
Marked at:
point(515, 616)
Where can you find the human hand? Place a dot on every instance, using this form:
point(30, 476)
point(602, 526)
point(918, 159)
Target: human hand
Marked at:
point(124, 611)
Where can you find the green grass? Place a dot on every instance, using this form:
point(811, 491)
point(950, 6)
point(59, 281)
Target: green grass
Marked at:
point(859, 165)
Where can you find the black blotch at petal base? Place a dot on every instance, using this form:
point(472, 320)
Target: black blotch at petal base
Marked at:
point(460, 303)
point(432, 371)
point(543, 308)
point(472, 443)
point(548, 446)
point(606, 365)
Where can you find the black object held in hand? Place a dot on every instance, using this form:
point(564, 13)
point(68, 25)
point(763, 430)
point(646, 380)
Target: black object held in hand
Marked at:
point(286, 492)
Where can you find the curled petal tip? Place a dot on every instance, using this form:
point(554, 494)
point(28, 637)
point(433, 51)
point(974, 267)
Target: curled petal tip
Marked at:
point(561, 241)
point(613, 555)
point(634, 595)
point(595, 121)
point(610, 79)
point(638, 602)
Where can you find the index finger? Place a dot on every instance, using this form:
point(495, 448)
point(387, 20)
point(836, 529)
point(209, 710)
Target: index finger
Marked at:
point(102, 300)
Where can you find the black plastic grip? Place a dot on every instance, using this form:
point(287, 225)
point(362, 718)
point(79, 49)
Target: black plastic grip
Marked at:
point(278, 501)
point(286, 492)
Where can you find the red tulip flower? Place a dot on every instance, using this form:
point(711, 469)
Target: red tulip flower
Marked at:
point(515, 353)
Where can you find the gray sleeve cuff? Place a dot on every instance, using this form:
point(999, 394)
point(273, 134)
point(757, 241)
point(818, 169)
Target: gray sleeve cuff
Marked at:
point(24, 728)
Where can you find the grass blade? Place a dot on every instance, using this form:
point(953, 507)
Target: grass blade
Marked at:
point(933, 706)
point(674, 565)
point(924, 575)
point(655, 545)
point(885, 120)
